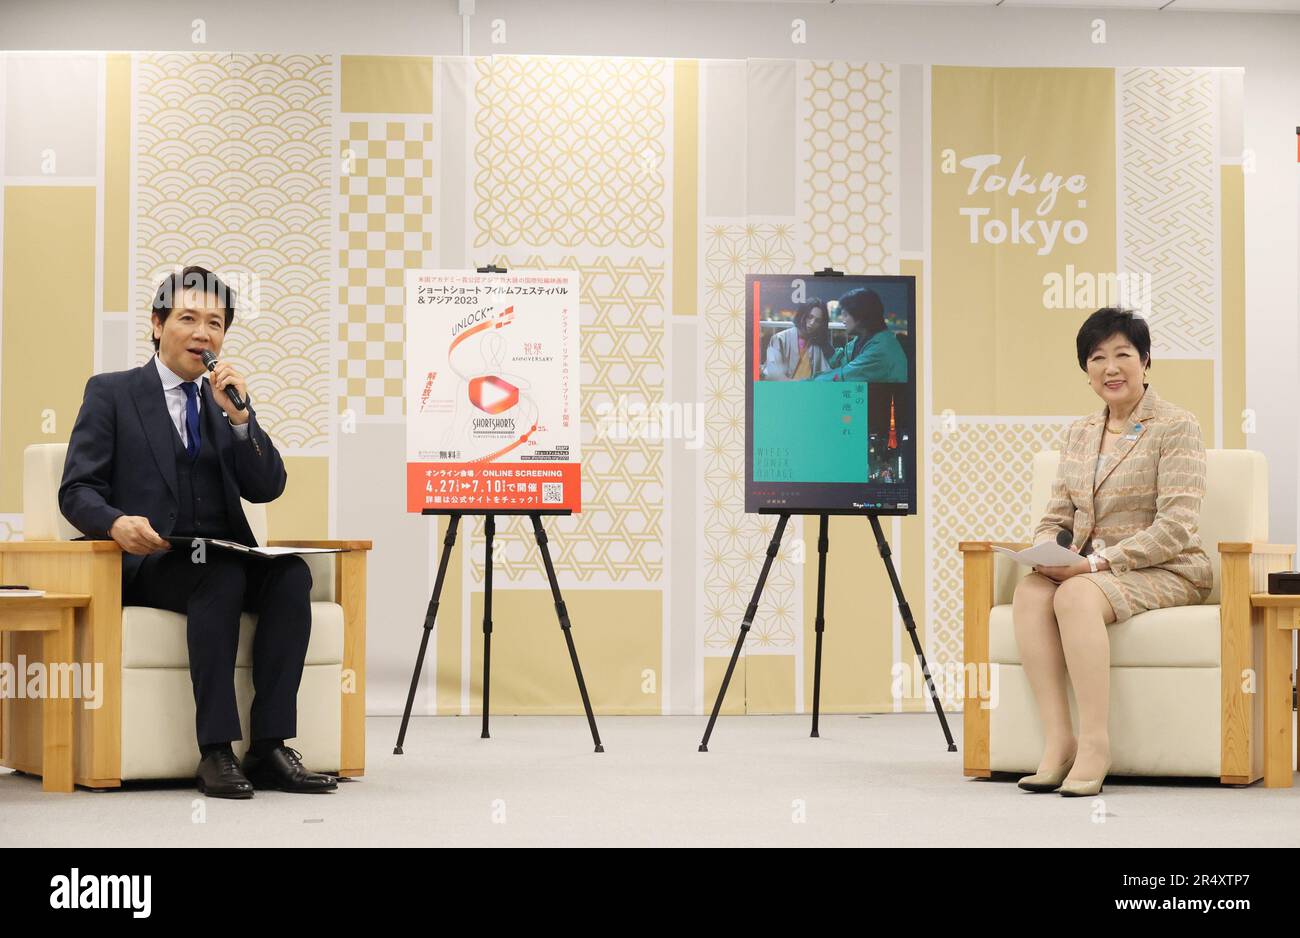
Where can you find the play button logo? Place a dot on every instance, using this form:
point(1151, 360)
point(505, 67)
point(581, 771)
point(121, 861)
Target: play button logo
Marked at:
point(492, 394)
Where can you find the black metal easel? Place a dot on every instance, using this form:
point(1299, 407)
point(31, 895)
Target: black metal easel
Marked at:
point(823, 544)
point(819, 623)
point(431, 613)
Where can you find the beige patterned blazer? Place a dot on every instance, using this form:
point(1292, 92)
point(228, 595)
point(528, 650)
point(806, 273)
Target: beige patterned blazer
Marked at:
point(1146, 504)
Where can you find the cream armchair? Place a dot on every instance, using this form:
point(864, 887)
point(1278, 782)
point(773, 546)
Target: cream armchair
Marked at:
point(1184, 681)
point(144, 727)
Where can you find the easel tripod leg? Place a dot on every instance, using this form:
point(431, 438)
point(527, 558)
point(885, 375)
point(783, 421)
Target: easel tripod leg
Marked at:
point(430, 616)
point(823, 543)
point(905, 611)
point(750, 613)
point(490, 529)
point(562, 611)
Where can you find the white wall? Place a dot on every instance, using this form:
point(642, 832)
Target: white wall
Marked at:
point(1266, 45)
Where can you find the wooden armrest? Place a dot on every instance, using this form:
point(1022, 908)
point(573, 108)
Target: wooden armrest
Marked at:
point(94, 569)
point(970, 547)
point(1256, 547)
point(339, 544)
point(1243, 570)
point(978, 562)
point(58, 547)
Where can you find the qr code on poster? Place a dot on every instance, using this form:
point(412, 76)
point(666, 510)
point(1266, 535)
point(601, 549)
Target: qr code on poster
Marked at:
point(552, 493)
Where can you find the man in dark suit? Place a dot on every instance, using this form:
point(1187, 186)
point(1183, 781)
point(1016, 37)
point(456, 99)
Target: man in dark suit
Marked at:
point(159, 452)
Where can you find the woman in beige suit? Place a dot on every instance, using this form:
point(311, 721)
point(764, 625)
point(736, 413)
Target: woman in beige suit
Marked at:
point(1128, 491)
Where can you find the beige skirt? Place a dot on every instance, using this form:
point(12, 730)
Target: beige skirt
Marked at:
point(1147, 588)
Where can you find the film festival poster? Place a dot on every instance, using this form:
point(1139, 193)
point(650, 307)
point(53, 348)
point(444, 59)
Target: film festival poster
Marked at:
point(492, 391)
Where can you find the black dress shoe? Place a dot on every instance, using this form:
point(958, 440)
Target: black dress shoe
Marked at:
point(282, 768)
point(219, 776)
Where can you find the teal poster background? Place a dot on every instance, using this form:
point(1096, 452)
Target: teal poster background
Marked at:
point(810, 431)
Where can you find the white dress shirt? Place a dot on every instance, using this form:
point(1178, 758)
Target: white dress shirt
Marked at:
point(174, 394)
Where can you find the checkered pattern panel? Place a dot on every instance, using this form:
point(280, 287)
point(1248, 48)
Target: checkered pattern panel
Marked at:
point(386, 223)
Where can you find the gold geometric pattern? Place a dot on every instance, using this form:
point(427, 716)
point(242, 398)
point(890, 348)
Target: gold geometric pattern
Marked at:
point(619, 534)
point(1168, 211)
point(850, 161)
point(385, 213)
point(735, 543)
point(233, 172)
point(977, 491)
point(570, 151)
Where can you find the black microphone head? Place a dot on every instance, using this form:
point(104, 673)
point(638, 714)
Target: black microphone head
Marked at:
point(1063, 537)
point(209, 360)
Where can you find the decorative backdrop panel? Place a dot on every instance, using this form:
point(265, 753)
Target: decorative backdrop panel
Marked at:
point(232, 171)
point(315, 181)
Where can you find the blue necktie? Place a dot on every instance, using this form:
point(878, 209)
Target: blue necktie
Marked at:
point(191, 418)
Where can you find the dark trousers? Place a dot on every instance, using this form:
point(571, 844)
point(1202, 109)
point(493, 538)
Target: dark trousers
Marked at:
point(211, 595)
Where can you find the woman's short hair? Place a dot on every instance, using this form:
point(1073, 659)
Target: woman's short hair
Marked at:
point(1105, 323)
point(866, 308)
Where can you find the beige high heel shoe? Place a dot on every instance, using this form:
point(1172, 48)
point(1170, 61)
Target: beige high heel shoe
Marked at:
point(1047, 781)
point(1084, 788)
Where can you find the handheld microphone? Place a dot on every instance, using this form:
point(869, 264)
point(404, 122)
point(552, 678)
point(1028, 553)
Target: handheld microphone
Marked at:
point(232, 392)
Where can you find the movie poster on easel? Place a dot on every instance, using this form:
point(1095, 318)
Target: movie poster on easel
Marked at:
point(830, 394)
point(492, 391)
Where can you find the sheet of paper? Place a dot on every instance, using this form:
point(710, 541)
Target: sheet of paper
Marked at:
point(1046, 554)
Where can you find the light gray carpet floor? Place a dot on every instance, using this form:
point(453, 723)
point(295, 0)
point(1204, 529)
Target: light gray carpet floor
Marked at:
point(884, 781)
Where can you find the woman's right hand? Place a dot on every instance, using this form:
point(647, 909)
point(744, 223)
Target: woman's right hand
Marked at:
point(1056, 574)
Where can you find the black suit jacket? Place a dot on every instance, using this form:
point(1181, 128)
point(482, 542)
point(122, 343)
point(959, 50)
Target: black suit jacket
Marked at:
point(121, 460)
